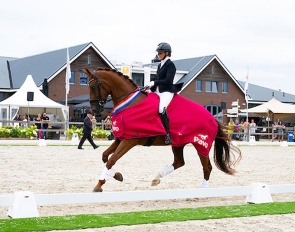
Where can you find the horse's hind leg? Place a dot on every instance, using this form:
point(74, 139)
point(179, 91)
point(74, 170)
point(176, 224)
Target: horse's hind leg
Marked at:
point(178, 162)
point(207, 168)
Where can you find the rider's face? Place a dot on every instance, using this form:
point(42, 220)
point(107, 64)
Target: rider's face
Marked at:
point(161, 55)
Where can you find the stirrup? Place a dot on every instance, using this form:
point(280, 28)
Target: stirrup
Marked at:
point(168, 139)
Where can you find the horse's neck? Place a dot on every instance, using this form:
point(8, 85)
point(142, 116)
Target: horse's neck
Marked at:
point(119, 97)
point(121, 91)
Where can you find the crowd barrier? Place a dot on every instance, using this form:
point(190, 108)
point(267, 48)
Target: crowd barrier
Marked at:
point(261, 131)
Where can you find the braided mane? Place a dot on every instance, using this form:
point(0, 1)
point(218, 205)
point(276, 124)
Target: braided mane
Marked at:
point(120, 74)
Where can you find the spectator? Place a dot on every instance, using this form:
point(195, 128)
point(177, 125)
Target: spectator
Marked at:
point(274, 130)
point(236, 129)
point(39, 126)
point(246, 127)
point(108, 123)
point(17, 118)
point(24, 121)
point(281, 129)
point(45, 120)
point(230, 129)
point(252, 127)
point(108, 127)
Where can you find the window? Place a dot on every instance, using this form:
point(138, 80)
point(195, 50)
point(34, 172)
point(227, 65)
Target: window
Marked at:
point(212, 86)
point(198, 86)
point(73, 79)
point(89, 59)
point(225, 87)
point(212, 70)
point(216, 111)
point(83, 79)
point(138, 78)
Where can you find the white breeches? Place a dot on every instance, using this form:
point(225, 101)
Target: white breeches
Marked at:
point(165, 99)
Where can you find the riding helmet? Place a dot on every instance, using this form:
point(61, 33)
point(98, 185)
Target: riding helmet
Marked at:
point(164, 47)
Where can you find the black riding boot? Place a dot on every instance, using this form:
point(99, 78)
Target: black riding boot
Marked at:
point(165, 121)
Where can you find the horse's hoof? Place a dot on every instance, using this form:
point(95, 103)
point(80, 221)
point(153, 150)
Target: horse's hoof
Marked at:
point(97, 190)
point(118, 176)
point(156, 182)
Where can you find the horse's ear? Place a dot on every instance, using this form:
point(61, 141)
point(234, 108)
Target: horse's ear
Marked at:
point(86, 71)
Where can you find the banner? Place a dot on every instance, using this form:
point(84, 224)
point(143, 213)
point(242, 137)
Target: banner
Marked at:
point(126, 70)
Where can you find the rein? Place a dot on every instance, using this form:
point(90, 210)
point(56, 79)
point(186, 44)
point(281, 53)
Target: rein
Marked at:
point(102, 101)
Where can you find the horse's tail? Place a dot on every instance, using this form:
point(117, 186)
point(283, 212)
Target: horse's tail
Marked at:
point(224, 152)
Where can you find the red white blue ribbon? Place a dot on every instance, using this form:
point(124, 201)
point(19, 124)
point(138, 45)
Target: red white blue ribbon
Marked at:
point(121, 105)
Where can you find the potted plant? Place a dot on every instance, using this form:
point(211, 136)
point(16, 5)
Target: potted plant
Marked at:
point(74, 130)
point(18, 132)
point(99, 133)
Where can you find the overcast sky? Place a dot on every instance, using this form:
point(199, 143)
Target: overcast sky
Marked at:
point(254, 35)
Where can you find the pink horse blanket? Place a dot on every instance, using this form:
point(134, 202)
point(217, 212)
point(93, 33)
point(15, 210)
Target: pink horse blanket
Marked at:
point(190, 122)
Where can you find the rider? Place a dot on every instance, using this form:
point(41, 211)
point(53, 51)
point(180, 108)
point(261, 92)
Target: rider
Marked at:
point(163, 84)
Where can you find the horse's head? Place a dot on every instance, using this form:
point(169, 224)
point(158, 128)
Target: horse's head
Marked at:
point(104, 82)
point(97, 91)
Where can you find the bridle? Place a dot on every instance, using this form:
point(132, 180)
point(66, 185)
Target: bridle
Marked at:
point(100, 100)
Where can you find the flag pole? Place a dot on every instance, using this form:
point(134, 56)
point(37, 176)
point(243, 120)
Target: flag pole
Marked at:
point(68, 76)
point(247, 92)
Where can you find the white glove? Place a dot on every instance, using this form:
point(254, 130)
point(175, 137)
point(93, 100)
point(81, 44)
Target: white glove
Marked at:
point(152, 83)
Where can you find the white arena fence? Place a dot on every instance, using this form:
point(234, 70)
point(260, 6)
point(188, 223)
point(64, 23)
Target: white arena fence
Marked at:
point(256, 193)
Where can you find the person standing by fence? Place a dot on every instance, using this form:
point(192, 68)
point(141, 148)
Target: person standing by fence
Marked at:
point(246, 130)
point(236, 130)
point(274, 130)
point(45, 120)
point(230, 129)
point(24, 121)
point(252, 127)
point(39, 126)
point(281, 129)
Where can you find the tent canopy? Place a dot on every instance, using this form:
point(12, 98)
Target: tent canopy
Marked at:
point(18, 102)
point(274, 108)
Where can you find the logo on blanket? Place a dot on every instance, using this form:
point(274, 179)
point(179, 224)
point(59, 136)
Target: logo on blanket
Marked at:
point(200, 140)
point(114, 126)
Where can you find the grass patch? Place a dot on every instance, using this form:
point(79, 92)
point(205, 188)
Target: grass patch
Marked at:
point(74, 222)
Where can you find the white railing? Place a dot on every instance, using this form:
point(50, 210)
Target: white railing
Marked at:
point(104, 197)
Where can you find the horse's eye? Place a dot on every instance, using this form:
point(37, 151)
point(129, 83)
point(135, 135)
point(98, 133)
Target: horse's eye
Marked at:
point(92, 87)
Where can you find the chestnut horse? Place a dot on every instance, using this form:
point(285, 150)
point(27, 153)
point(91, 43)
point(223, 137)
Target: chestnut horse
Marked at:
point(105, 82)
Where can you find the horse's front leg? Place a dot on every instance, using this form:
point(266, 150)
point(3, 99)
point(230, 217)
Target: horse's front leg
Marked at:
point(109, 172)
point(178, 162)
point(110, 150)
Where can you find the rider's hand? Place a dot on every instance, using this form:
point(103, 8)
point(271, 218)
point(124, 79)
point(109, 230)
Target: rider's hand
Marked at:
point(148, 86)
